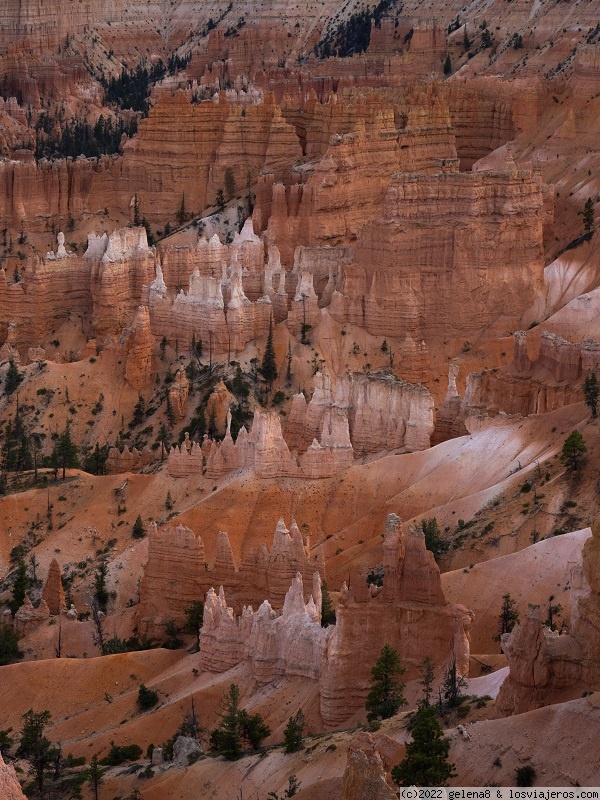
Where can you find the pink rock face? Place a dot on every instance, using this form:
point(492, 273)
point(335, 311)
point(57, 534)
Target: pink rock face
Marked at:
point(53, 592)
point(176, 573)
point(139, 369)
point(28, 617)
point(547, 667)
point(410, 613)
point(266, 450)
point(130, 460)
point(10, 788)
point(553, 380)
point(121, 265)
point(178, 394)
point(218, 406)
point(289, 644)
point(443, 236)
point(172, 577)
point(382, 413)
point(364, 776)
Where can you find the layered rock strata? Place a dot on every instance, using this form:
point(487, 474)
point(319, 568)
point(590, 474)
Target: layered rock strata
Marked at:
point(383, 413)
point(265, 450)
point(140, 343)
point(29, 617)
point(289, 644)
point(410, 613)
point(364, 776)
point(420, 270)
point(127, 460)
point(178, 572)
point(550, 381)
point(121, 265)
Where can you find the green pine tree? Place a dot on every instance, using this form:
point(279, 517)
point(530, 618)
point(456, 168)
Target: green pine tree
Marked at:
point(466, 40)
point(447, 65)
point(138, 531)
point(9, 652)
point(194, 618)
point(35, 747)
point(95, 776)
point(426, 681)
point(64, 453)
point(147, 698)
point(100, 590)
point(552, 610)
point(13, 378)
point(433, 537)
point(426, 762)
point(591, 392)
point(573, 451)
point(293, 732)
point(327, 609)
point(139, 411)
point(454, 683)
point(181, 213)
point(229, 183)
point(19, 587)
point(509, 616)
point(9, 449)
point(253, 729)
point(269, 365)
point(227, 738)
point(386, 695)
point(487, 39)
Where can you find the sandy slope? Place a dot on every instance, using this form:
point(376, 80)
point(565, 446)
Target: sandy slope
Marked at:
point(529, 576)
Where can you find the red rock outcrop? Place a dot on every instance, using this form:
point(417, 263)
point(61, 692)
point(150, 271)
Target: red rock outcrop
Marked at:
point(10, 788)
point(178, 395)
point(140, 344)
point(225, 324)
point(218, 408)
point(448, 421)
point(127, 460)
point(418, 271)
point(53, 592)
point(550, 667)
point(289, 644)
point(382, 412)
point(369, 138)
point(364, 776)
point(265, 450)
point(526, 386)
point(28, 617)
point(172, 577)
point(49, 291)
point(122, 264)
point(177, 557)
point(410, 613)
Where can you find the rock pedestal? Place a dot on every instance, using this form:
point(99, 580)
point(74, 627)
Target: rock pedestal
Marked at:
point(53, 592)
